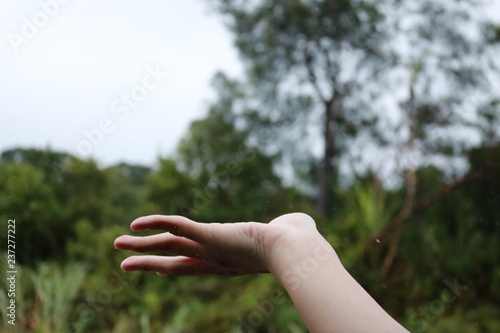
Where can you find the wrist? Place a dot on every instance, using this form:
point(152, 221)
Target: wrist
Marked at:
point(295, 258)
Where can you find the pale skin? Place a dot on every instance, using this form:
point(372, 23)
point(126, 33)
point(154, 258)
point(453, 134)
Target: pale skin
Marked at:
point(289, 247)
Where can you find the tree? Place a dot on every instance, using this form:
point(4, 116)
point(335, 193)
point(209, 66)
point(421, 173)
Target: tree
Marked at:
point(129, 189)
point(231, 179)
point(27, 197)
point(48, 192)
point(169, 189)
point(440, 51)
point(308, 62)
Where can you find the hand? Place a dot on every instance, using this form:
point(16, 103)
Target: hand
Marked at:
point(289, 247)
point(228, 249)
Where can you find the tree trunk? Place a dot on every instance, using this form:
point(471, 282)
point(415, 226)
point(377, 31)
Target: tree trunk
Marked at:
point(411, 187)
point(326, 169)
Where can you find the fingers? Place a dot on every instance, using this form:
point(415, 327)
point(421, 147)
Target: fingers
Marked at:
point(164, 242)
point(177, 225)
point(171, 266)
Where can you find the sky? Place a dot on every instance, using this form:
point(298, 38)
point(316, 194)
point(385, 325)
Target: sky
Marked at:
point(113, 80)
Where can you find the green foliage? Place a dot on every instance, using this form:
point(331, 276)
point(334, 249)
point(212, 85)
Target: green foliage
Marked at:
point(128, 191)
point(45, 297)
point(314, 67)
point(27, 196)
point(56, 289)
point(102, 255)
point(444, 242)
point(227, 172)
point(482, 319)
point(369, 209)
point(24, 296)
point(169, 189)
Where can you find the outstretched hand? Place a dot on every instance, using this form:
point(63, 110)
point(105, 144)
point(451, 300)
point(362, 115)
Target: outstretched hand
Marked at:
point(228, 249)
point(289, 247)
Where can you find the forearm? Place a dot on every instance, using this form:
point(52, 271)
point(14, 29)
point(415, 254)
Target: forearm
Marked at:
point(290, 247)
point(325, 294)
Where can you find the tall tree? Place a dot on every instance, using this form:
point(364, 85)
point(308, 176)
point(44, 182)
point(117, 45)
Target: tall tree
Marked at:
point(441, 50)
point(443, 72)
point(308, 62)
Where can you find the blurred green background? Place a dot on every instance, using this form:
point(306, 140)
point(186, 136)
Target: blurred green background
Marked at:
point(379, 119)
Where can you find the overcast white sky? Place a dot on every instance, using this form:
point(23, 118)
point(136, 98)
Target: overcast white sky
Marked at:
point(67, 68)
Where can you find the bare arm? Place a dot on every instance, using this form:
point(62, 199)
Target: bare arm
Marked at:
point(326, 296)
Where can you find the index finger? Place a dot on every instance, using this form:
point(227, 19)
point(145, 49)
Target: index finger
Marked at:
point(177, 225)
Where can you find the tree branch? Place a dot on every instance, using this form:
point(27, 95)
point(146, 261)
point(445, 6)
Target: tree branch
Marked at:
point(422, 205)
point(411, 187)
point(311, 75)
